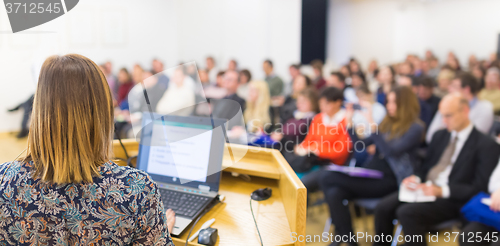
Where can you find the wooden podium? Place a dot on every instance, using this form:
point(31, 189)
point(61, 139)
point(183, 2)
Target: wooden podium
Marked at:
point(281, 218)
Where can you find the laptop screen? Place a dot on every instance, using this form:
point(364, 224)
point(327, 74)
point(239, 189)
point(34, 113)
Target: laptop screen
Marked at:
point(182, 150)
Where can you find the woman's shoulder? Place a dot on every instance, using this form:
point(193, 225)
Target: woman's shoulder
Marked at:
point(127, 174)
point(418, 126)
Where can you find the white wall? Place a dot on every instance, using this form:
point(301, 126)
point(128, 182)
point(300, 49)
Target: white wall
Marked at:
point(172, 30)
point(387, 30)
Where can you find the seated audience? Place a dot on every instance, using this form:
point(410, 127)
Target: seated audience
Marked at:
point(295, 129)
point(232, 65)
point(126, 85)
point(245, 78)
point(491, 91)
point(346, 71)
point(137, 103)
point(357, 80)
point(367, 104)
point(425, 110)
point(478, 73)
point(444, 79)
point(231, 104)
point(204, 80)
point(256, 114)
point(179, 99)
point(371, 75)
point(433, 67)
point(425, 89)
point(481, 113)
point(360, 122)
point(459, 162)
point(111, 78)
point(338, 80)
point(211, 69)
point(217, 90)
point(354, 66)
point(289, 106)
point(396, 140)
point(386, 79)
point(294, 71)
point(405, 68)
point(158, 72)
point(274, 82)
point(231, 84)
point(318, 81)
point(326, 141)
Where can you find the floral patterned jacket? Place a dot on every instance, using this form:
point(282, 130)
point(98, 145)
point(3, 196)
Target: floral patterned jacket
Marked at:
point(122, 207)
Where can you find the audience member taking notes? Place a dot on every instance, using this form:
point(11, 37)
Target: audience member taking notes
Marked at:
point(459, 162)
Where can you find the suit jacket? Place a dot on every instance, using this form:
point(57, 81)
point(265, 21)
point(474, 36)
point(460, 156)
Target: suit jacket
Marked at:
point(472, 168)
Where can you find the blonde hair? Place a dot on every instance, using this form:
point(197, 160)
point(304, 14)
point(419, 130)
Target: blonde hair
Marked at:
point(257, 113)
point(72, 121)
point(446, 74)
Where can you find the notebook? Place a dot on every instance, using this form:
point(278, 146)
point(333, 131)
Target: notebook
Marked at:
point(412, 196)
point(356, 171)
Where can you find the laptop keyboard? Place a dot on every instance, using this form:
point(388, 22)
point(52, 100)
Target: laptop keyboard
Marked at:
point(183, 203)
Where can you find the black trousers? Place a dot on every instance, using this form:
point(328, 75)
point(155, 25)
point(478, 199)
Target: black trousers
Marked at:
point(339, 187)
point(475, 228)
point(416, 218)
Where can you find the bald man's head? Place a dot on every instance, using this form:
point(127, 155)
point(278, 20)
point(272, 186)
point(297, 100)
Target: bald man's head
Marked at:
point(454, 108)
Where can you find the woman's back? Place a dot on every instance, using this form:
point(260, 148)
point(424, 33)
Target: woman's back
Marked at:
point(121, 207)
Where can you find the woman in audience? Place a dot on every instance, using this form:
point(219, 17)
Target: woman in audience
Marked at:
point(245, 78)
point(300, 83)
point(357, 80)
point(491, 91)
point(386, 79)
point(256, 114)
point(179, 99)
point(346, 71)
point(294, 130)
point(360, 121)
point(478, 73)
point(396, 141)
point(319, 82)
point(444, 79)
point(126, 85)
point(66, 188)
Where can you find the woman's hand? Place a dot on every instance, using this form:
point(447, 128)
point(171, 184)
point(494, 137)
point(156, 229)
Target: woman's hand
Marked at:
point(495, 201)
point(170, 219)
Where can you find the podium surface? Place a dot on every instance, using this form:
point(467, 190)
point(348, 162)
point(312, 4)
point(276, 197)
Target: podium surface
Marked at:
point(280, 219)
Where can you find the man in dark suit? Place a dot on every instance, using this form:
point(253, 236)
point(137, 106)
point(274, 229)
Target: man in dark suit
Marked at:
point(230, 106)
point(459, 162)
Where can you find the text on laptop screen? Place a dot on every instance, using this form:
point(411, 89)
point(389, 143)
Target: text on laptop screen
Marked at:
point(180, 150)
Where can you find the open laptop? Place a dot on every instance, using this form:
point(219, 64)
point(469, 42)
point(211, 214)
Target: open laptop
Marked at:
point(183, 155)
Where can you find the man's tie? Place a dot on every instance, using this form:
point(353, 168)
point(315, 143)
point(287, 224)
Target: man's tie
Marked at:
point(444, 162)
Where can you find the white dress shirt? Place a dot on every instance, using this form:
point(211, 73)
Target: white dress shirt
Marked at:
point(335, 119)
point(443, 178)
point(495, 179)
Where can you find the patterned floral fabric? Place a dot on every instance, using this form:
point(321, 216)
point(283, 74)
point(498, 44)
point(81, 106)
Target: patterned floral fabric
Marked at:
point(122, 207)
